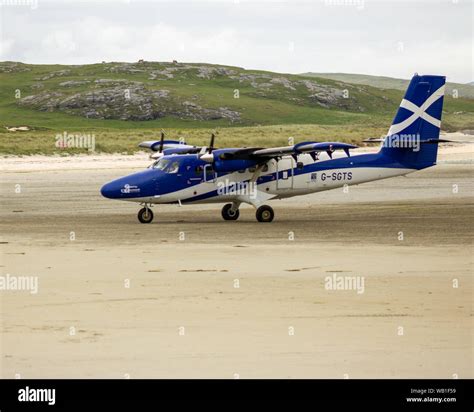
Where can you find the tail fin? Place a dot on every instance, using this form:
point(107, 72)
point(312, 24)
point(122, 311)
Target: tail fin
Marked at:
point(418, 120)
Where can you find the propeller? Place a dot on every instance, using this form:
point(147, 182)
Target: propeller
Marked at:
point(207, 156)
point(160, 150)
point(157, 154)
point(211, 145)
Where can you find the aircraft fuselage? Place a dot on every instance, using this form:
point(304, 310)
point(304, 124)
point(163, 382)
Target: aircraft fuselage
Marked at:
point(196, 182)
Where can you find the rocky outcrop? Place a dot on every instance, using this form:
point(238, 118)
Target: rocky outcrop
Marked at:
point(130, 68)
point(284, 82)
point(97, 94)
point(164, 74)
point(196, 112)
point(112, 81)
point(208, 72)
point(13, 67)
point(74, 83)
point(58, 73)
point(126, 102)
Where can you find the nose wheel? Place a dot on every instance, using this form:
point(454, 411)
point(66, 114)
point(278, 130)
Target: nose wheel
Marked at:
point(229, 213)
point(145, 215)
point(265, 214)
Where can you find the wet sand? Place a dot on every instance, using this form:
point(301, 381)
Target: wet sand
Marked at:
point(183, 314)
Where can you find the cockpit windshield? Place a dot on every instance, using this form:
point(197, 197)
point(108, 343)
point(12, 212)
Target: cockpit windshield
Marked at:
point(167, 165)
point(161, 164)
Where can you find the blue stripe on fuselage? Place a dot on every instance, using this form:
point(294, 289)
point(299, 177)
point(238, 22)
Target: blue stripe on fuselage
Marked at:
point(358, 161)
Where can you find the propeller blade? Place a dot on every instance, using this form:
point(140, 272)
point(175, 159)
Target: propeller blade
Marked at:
point(211, 144)
point(161, 141)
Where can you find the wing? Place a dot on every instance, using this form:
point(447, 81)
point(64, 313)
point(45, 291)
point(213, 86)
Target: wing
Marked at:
point(312, 148)
point(255, 154)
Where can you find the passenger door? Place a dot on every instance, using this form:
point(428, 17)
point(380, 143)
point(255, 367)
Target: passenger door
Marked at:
point(285, 168)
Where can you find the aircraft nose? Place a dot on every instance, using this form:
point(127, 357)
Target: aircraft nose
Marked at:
point(133, 186)
point(110, 190)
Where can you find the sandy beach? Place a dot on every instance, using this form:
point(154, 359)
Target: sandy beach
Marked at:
point(193, 296)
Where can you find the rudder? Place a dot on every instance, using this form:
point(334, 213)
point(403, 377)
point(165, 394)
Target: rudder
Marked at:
point(418, 120)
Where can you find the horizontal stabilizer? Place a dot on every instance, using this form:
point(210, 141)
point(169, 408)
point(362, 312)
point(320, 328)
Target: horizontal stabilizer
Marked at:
point(429, 141)
point(374, 140)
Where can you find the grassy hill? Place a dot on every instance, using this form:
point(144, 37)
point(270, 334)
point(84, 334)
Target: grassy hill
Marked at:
point(124, 103)
point(382, 82)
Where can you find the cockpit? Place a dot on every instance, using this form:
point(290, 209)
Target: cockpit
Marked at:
point(167, 165)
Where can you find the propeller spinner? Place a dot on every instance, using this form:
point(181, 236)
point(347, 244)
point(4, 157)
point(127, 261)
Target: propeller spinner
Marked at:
point(207, 156)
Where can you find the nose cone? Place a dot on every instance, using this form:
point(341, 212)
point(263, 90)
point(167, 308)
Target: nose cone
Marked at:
point(110, 190)
point(133, 186)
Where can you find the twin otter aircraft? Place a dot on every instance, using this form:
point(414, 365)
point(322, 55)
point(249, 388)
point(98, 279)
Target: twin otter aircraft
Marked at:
point(189, 174)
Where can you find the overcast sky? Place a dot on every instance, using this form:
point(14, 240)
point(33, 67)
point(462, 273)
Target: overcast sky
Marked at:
point(391, 38)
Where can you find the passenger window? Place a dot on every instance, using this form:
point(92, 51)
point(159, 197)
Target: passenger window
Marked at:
point(265, 168)
point(199, 170)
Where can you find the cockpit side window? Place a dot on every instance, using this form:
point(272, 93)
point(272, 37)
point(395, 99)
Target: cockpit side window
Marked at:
point(173, 167)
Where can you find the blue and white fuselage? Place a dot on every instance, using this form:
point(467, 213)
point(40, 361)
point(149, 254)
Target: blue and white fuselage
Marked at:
point(255, 176)
point(196, 182)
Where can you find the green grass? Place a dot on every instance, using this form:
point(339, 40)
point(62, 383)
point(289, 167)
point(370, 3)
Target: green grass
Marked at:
point(265, 120)
point(126, 141)
point(383, 82)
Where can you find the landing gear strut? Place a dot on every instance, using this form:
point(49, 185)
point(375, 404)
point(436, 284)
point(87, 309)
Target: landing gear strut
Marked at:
point(265, 214)
point(145, 215)
point(229, 213)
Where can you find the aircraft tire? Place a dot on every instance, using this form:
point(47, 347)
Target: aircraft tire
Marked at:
point(227, 212)
point(145, 215)
point(265, 214)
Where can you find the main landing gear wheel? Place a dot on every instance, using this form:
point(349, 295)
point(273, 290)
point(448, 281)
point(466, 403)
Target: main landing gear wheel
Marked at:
point(145, 215)
point(265, 214)
point(228, 213)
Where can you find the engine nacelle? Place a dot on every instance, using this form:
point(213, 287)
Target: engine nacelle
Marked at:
point(233, 165)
